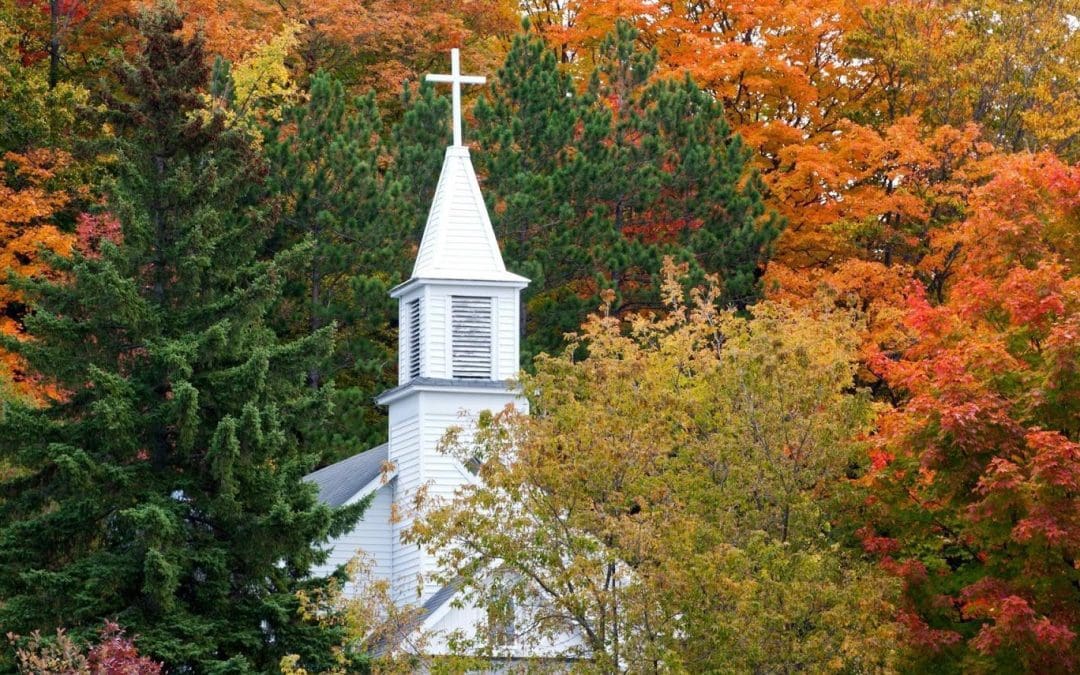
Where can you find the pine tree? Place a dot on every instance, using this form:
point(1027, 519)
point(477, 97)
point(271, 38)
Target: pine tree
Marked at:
point(590, 189)
point(419, 143)
point(163, 488)
point(328, 175)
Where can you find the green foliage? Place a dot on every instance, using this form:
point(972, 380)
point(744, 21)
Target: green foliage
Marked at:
point(33, 115)
point(161, 487)
point(420, 139)
point(329, 182)
point(671, 498)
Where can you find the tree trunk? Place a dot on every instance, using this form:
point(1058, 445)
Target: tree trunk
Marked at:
point(314, 376)
point(54, 43)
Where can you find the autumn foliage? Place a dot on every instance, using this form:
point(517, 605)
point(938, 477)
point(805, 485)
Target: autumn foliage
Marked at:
point(915, 162)
point(27, 202)
point(113, 654)
point(975, 500)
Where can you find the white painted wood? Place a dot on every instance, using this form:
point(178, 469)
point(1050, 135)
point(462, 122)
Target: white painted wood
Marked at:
point(458, 258)
point(458, 241)
point(372, 536)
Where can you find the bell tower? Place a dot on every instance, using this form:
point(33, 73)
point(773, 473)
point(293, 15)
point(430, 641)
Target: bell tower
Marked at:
point(458, 346)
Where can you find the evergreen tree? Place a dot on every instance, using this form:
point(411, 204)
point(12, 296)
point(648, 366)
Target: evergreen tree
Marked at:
point(163, 488)
point(591, 189)
point(328, 176)
point(420, 139)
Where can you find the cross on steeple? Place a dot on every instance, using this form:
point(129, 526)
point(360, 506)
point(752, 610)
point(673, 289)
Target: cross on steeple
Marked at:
point(456, 79)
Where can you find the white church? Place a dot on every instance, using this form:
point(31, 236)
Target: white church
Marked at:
point(458, 349)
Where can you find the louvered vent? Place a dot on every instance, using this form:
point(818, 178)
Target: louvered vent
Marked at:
point(414, 338)
point(471, 318)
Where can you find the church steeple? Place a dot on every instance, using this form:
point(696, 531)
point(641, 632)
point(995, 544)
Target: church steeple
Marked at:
point(457, 347)
point(458, 240)
point(459, 310)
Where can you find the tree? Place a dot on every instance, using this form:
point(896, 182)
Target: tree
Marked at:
point(369, 45)
point(1011, 67)
point(328, 172)
point(40, 179)
point(836, 97)
point(26, 204)
point(590, 190)
point(669, 499)
point(114, 654)
point(163, 488)
point(974, 498)
point(73, 37)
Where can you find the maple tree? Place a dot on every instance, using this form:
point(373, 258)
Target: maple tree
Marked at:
point(39, 188)
point(26, 203)
point(668, 498)
point(376, 44)
point(974, 500)
point(890, 137)
point(1011, 67)
point(73, 37)
point(838, 98)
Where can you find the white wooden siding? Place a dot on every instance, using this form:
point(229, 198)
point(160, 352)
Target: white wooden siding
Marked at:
point(404, 453)
point(371, 536)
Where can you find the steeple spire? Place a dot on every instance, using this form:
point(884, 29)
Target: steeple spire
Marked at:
point(458, 346)
point(459, 242)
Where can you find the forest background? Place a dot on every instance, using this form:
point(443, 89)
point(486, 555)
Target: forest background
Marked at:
point(888, 189)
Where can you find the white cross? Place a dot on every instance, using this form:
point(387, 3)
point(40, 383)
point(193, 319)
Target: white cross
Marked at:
point(456, 79)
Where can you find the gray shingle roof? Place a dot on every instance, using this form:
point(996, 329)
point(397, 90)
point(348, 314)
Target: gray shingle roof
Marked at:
point(341, 480)
point(441, 597)
point(495, 385)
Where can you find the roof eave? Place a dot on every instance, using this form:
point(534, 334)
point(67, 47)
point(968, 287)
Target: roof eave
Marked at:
point(503, 280)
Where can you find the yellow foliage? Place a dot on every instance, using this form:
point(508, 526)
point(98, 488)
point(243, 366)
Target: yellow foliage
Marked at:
point(669, 498)
point(261, 80)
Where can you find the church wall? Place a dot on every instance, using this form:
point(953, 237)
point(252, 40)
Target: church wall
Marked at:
point(438, 345)
point(437, 355)
point(506, 347)
point(371, 535)
point(464, 621)
point(404, 441)
point(444, 473)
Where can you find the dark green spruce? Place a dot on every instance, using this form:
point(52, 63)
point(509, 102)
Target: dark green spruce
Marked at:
point(164, 490)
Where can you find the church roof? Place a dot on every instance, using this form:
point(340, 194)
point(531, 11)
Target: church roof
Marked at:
point(440, 598)
point(340, 481)
point(441, 383)
point(458, 240)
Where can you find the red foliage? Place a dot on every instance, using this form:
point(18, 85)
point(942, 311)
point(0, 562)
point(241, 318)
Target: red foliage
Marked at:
point(91, 231)
point(117, 655)
point(920, 635)
point(976, 475)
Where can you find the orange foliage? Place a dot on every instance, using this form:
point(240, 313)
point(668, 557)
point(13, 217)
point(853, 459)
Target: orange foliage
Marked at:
point(84, 29)
point(778, 68)
point(373, 44)
point(822, 90)
point(26, 205)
